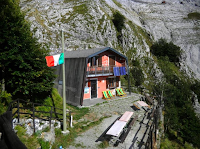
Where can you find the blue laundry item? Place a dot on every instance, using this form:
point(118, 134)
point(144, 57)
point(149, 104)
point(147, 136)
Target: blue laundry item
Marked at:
point(122, 71)
point(116, 71)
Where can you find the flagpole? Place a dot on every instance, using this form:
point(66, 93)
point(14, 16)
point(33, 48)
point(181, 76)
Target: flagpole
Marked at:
point(64, 92)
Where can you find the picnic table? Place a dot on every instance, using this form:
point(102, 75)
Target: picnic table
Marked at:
point(119, 127)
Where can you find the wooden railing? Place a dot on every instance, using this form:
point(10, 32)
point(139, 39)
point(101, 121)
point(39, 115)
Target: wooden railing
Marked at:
point(21, 107)
point(100, 70)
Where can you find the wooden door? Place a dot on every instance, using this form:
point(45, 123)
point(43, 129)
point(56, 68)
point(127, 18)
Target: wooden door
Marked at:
point(111, 63)
point(93, 88)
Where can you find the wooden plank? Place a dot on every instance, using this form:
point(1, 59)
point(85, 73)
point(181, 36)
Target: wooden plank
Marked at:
point(142, 103)
point(148, 98)
point(116, 128)
point(124, 135)
point(136, 106)
point(133, 121)
point(126, 116)
point(152, 114)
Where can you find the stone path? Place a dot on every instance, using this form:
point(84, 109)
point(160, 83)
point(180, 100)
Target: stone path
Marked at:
point(113, 109)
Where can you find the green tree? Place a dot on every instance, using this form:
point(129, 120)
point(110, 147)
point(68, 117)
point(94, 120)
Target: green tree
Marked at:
point(195, 88)
point(180, 119)
point(21, 56)
point(118, 20)
point(161, 48)
point(137, 73)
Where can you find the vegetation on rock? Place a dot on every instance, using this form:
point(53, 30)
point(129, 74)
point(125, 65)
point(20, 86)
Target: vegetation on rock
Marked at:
point(180, 120)
point(161, 48)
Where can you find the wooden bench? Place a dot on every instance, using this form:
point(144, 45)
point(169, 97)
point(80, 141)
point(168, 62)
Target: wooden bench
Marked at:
point(123, 136)
point(149, 106)
point(119, 126)
point(136, 106)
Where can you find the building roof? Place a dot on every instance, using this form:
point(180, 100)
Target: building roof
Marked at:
point(90, 53)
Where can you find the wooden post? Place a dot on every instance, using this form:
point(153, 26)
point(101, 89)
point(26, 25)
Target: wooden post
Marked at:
point(50, 118)
point(33, 118)
point(18, 110)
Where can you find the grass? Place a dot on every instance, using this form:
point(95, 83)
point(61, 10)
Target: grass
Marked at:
point(46, 129)
point(74, 132)
point(67, 1)
point(194, 16)
point(30, 142)
point(81, 9)
point(103, 144)
point(89, 121)
point(141, 34)
point(169, 144)
point(79, 145)
point(117, 3)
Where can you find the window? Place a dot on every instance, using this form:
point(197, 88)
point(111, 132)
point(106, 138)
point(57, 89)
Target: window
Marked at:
point(117, 81)
point(112, 61)
point(112, 82)
point(99, 61)
point(92, 61)
point(95, 61)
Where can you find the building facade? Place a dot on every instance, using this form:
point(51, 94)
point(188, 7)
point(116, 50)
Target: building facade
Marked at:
point(90, 72)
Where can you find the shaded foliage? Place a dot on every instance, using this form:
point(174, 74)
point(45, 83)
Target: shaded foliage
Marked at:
point(195, 88)
point(161, 49)
point(118, 20)
point(137, 73)
point(179, 113)
point(21, 57)
point(194, 15)
point(177, 94)
point(5, 99)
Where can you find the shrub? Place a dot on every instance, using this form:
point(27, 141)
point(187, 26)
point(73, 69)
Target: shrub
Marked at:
point(195, 88)
point(5, 99)
point(118, 20)
point(179, 113)
point(194, 15)
point(44, 144)
point(162, 49)
point(137, 75)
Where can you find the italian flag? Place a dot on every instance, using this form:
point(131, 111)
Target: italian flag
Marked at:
point(55, 60)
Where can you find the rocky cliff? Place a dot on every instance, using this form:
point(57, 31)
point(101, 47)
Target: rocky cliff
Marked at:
point(88, 24)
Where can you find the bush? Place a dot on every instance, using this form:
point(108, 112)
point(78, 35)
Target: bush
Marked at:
point(118, 20)
point(179, 113)
point(44, 144)
point(5, 99)
point(194, 15)
point(195, 88)
point(162, 49)
point(137, 75)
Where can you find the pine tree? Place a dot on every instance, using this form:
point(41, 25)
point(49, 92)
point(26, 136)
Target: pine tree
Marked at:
point(22, 58)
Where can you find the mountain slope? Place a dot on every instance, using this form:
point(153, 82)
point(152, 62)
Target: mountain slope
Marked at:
point(88, 24)
point(172, 21)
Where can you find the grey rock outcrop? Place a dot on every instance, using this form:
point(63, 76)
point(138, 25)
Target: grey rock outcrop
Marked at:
point(88, 24)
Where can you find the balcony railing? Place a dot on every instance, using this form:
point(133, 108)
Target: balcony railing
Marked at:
point(100, 71)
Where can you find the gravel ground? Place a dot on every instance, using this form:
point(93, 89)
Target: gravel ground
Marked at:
point(113, 109)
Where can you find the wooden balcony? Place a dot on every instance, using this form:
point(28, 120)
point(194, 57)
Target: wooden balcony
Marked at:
point(100, 71)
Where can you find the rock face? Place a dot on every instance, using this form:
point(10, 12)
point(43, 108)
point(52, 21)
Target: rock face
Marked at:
point(170, 21)
point(88, 24)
